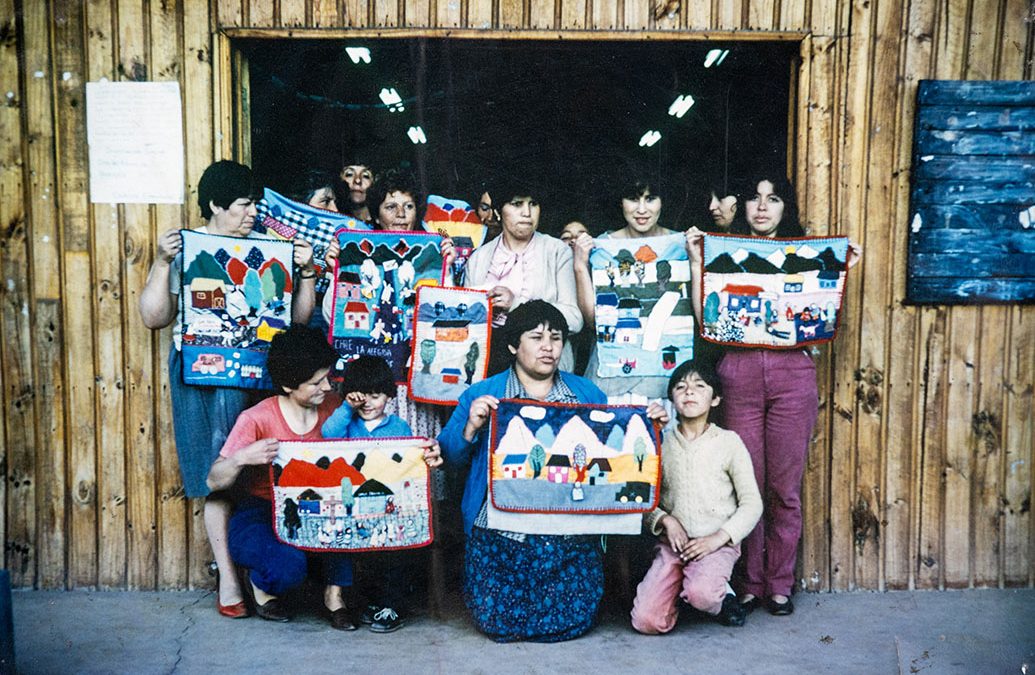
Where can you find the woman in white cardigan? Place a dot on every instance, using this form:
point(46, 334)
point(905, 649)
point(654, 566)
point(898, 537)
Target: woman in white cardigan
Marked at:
point(522, 264)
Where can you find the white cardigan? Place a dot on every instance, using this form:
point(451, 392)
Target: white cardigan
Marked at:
point(554, 280)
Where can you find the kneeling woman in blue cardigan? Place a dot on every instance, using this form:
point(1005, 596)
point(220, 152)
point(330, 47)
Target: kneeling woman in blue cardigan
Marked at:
point(541, 588)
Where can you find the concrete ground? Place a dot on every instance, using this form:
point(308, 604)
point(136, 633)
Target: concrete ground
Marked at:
point(974, 631)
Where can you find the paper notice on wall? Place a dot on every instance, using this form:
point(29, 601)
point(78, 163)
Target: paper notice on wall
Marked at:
point(135, 136)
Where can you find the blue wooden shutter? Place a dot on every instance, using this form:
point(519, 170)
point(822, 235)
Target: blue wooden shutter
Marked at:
point(972, 213)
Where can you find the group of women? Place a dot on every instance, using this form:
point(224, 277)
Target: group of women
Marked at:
point(542, 289)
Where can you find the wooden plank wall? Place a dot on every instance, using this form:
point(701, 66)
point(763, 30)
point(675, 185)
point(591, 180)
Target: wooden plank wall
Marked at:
point(921, 468)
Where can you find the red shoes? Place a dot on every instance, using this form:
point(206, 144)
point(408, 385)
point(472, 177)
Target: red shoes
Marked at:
point(238, 610)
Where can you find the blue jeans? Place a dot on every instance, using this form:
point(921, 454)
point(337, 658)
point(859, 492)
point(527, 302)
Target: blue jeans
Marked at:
point(276, 567)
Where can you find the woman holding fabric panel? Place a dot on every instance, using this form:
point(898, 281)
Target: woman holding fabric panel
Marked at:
point(203, 416)
point(524, 586)
point(522, 264)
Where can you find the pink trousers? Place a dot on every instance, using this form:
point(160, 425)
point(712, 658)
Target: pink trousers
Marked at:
point(703, 585)
point(770, 400)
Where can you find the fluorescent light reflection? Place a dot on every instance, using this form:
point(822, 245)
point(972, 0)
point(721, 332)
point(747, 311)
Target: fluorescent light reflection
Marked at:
point(715, 57)
point(358, 54)
point(416, 135)
point(680, 106)
point(650, 138)
point(391, 98)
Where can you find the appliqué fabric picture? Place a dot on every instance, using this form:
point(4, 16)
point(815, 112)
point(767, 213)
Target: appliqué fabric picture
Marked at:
point(351, 495)
point(777, 293)
point(557, 458)
point(459, 221)
point(280, 217)
point(450, 343)
point(644, 316)
point(375, 292)
point(236, 296)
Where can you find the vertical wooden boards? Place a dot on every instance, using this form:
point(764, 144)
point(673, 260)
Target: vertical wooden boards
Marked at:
point(448, 13)
point(1017, 553)
point(604, 14)
point(106, 356)
point(292, 13)
point(45, 400)
point(816, 116)
point(902, 437)
point(932, 398)
point(260, 12)
point(572, 13)
point(326, 14)
point(385, 13)
point(541, 13)
point(1018, 543)
point(637, 14)
point(183, 556)
point(16, 346)
point(70, 108)
point(760, 15)
point(13, 293)
point(511, 14)
point(851, 501)
point(987, 421)
point(480, 13)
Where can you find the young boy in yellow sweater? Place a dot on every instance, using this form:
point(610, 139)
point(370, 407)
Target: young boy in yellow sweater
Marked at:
point(709, 503)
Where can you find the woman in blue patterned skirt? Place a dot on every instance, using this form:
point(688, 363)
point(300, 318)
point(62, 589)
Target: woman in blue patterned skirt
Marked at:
point(523, 586)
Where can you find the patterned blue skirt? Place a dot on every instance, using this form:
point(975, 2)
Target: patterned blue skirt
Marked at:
point(545, 589)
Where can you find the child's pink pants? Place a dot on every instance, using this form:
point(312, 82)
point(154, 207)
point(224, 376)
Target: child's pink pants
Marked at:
point(703, 584)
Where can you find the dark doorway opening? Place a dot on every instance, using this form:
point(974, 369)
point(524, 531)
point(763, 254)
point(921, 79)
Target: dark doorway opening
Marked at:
point(571, 116)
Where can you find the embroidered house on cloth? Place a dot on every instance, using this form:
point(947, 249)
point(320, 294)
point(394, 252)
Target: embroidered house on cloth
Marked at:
point(553, 458)
point(781, 293)
point(280, 217)
point(351, 495)
point(642, 302)
point(450, 343)
point(375, 293)
point(236, 296)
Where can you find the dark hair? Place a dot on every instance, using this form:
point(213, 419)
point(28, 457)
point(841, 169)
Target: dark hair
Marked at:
point(392, 181)
point(704, 369)
point(312, 182)
point(506, 189)
point(296, 355)
point(223, 183)
point(529, 316)
point(369, 375)
point(789, 225)
point(640, 186)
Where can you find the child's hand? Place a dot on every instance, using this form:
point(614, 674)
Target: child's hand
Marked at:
point(702, 546)
point(356, 399)
point(481, 409)
point(656, 413)
point(676, 535)
point(432, 453)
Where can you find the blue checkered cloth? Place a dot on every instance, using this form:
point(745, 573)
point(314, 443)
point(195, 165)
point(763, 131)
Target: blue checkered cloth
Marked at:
point(279, 216)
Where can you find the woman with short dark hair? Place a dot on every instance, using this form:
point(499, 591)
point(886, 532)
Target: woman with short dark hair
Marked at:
point(507, 574)
point(203, 416)
point(523, 264)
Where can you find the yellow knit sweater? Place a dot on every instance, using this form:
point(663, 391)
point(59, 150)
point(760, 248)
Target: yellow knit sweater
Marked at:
point(707, 484)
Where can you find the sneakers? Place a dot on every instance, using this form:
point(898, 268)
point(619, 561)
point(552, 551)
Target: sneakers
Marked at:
point(367, 617)
point(385, 620)
point(732, 612)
